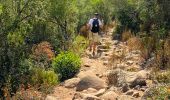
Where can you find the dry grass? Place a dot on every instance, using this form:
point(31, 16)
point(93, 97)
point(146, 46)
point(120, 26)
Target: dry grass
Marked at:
point(163, 56)
point(126, 35)
point(111, 25)
point(135, 43)
point(133, 69)
point(84, 31)
point(115, 59)
point(44, 49)
point(167, 47)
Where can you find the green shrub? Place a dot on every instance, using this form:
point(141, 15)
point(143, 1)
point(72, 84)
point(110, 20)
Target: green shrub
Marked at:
point(157, 93)
point(66, 64)
point(41, 77)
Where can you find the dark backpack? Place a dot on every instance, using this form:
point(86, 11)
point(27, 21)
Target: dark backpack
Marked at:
point(95, 26)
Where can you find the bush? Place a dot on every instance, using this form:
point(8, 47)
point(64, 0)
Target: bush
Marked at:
point(42, 54)
point(128, 17)
point(157, 93)
point(42, 77)
point(66, 64)
point(163, 77)
point(135, 43)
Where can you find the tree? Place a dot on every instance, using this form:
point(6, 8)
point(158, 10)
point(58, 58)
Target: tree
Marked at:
point(64, 14)
point(16, 19)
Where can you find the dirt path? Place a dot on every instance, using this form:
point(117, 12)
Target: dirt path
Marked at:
point(113, 56)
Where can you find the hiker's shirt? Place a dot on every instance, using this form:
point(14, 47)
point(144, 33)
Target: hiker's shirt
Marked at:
point(91, 22)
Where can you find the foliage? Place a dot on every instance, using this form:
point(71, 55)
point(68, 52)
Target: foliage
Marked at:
point(79, 45)
point(0, 8)
point(60, 12)
point(163, 77)
point(157, 93)
point(26, 24)
point(66, 65)
point(42, 77)
point(126, 15)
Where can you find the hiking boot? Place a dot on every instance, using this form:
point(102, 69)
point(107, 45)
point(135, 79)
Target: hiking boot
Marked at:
point(90, 49)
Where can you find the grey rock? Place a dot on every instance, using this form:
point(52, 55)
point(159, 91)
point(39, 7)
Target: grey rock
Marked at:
point(126, 97)
point(130, 92)
point(138, 82)
point(136, 94)
point(120, 77)
point(116, 42)
point(71, 83)
point(124, 88)
point(90, 97)
point(110, 96)
point(100, 92)
point(51, 98)
point(90, 82)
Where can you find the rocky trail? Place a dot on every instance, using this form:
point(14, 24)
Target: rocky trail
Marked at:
point(116, 73)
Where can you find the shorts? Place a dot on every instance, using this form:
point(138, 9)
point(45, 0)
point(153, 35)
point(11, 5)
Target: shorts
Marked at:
point(94, 37)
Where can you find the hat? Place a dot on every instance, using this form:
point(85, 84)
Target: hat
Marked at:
point(96, 13)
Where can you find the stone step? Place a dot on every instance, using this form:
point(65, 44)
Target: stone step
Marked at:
point(103, 47)
point(103, 50)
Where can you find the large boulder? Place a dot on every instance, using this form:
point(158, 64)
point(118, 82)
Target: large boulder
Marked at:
point(90, 82)
point(71, 83)
point(120, 78)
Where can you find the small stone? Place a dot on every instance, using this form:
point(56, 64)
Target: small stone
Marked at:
point(110, 96)
point(91, 90)
point(136, 94)
point(100, 76)
point(125, 88)
point(140, 82)
point(105, 63)
point(51, 98)
point(142, 89)
point(116, 42)
point(90, 97)
point(129, 62)
point(100, 92)
point(86, 65)
point(137, 87)
point(126, 97)
point(130, 92)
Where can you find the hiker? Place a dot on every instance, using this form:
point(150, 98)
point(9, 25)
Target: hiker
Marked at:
point(94, 26)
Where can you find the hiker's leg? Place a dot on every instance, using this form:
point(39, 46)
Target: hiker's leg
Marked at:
point(90, 45)
point(94, 46)
point(95, 41)
point(90, 41)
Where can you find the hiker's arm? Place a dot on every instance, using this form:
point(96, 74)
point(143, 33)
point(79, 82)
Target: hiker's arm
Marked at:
point(89, 24)
point(100, 24)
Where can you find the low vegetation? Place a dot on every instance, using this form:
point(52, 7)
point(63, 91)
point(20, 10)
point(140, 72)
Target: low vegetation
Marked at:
point(39, 41)
point(66, 64)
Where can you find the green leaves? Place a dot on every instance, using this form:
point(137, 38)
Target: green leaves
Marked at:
point(66, 64)
point(0, 9)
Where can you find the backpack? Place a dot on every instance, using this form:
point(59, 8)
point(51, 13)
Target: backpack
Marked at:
point(95, 26)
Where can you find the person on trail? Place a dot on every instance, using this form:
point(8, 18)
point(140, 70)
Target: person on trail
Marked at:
point(94, 26)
